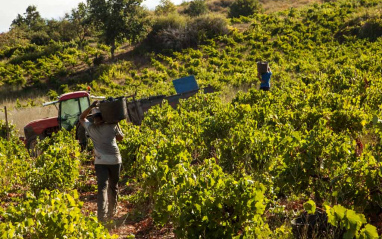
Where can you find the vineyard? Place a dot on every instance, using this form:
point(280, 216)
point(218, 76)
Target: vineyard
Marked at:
point(303, 160)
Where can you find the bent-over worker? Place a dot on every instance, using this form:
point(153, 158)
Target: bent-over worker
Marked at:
point(107, 160)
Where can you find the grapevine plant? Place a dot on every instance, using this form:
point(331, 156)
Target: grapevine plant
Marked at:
point(51, 215)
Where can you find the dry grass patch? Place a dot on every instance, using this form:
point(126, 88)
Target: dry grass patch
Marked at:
point(280, 5)
point(223, 6)
point(22, 116)
point(230, 92)
point(23, 107)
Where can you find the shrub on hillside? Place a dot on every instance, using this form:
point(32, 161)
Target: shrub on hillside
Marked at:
point(372, 29)
point(369, 27)
point(174, 21)
point(165, 7)
point(175, 39)
point(208, 26)
point(168, 32)
point(176, 32)
point(196, 8)
point(40, 38)
point(221, 6)
point(244, 8)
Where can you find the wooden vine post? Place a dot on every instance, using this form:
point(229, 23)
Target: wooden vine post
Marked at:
point(6, 123)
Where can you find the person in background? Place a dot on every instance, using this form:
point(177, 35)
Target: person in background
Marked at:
point(107, 160)
point(265, 79)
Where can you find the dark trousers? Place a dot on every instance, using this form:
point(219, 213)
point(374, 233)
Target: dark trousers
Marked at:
point(264, 88)
point(107, 180)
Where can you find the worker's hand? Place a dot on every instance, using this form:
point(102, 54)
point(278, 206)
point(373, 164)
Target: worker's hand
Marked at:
point(95, 103)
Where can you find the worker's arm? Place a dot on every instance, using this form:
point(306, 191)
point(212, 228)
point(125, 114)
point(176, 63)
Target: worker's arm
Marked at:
point(119, 134)
point(119, 137)
point(86, 112)
point(259, 76)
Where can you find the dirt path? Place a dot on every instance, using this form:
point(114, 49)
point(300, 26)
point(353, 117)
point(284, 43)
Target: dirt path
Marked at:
point(130, 220)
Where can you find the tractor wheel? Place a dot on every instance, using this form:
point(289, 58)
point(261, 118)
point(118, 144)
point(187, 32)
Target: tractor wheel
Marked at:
point(31, 146)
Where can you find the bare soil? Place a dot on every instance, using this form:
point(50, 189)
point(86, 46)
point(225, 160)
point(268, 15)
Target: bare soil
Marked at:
point(131, 219)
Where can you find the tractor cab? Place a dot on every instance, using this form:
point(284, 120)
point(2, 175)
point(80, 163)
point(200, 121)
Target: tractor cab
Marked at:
point(70, 107)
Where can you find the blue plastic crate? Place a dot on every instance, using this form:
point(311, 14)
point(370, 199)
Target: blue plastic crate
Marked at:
point(185, 84)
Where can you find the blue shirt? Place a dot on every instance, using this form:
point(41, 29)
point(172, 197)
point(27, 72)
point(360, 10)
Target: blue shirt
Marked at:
point(266, 79)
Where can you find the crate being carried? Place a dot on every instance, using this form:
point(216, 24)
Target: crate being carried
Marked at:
point(113, 110)
point(262, 67)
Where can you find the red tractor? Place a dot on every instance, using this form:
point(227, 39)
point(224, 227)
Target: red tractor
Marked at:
point(70, 106)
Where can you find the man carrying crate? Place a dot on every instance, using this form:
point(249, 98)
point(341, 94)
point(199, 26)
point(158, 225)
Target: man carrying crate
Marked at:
point(107, 159)
point(264, 74)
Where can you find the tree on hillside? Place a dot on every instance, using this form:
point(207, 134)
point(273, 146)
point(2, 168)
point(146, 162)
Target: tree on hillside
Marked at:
point(54, 30)
point(33, 25)
point(197, 8)
point(31, 20)
point(80, 26)
point(165, 7)
point(118, 20)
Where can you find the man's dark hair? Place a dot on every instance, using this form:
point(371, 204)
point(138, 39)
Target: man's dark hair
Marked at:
point(97, 115)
